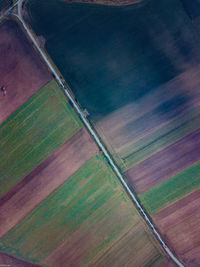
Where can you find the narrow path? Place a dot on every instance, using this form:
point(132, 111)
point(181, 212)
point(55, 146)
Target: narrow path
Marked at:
point(92, 132)
point(107, 2)
point(7, 11)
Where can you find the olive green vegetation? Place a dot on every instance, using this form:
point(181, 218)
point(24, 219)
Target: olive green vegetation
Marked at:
point(172, 189)
point(92, 207)
point(159, 139)
point(30, 134)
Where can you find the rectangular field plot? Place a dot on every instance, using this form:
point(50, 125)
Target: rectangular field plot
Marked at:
point(180, 223)
point(22, 72)
point(35, 130)
point(172, 189)
point(88, 221)
point(4, 4)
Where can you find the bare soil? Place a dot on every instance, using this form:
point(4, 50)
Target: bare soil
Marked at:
point(180, 225)
point(22, 72)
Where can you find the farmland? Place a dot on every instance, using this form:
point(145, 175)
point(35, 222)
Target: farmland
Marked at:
point(141, 90)
point(155, 169)
point(8, 260)
point(18, 59)
point(97, 67)
point(192, 8)
point(69, 207)
point(159, 105)
point(106, 2)
point(77, 150)
point(82, 217)
point(4, 4)
point(172, 189)
point(30, 134)
point(182, 228)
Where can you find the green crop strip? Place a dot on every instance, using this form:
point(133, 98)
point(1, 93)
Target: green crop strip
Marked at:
point(66, 209)
point(29, 135)
point(171, 190)
point(92, 200)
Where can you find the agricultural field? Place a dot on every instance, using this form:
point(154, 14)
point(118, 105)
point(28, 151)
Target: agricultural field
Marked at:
point(192, 8)
point(182, 228)
point(77, 151)
point(136, 71)
point(106, 2)
point(94, 61)
point(87, 221)
point(35, 130)
point(8, 260)
point(61, 204)
point(155, 169)
point(22, 72)
point(4, 4)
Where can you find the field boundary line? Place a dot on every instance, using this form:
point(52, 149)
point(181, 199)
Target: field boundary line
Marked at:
point(91, 130)
point(66, 107)
point(23, 107)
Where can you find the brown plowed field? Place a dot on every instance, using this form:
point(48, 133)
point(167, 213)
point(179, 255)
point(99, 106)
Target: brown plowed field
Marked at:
point(22, 72)
point(7, 260)
point(169, 263)
point(165, 163)
point(180, 225)
point(45, 178)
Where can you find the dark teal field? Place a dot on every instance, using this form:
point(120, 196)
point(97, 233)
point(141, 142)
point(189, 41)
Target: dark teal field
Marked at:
point(112, 56)
point(4, 3)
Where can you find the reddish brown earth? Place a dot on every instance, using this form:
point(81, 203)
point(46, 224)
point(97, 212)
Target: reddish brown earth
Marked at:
point(165, 163)
point(169, 263)
point(180, 225)
point(45, 179)
point(22, 72)
point(11, 261)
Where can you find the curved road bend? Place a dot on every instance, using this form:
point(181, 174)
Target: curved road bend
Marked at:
point(92, 132)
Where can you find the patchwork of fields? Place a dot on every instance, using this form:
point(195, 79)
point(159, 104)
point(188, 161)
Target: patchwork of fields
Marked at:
point(90, 219)
point(24, 143)
point(61, 204)
point(136, 71)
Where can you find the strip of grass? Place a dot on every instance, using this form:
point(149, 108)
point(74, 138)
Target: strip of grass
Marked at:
point(171, 190)
point(29, 135)
point(160, 139)
point(93, 203)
